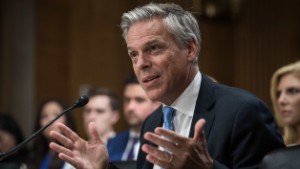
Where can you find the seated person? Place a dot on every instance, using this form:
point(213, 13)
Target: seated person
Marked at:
point(42, 156)
point(10, 136)
point(285, 95)
point(103, 109)
point(137, 106)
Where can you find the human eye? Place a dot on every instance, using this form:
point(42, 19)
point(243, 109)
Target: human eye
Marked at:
point(100, 111)
point(278, 93)
point(154, 48)
point(140, 100)
point(293, 91)
point(132, 54)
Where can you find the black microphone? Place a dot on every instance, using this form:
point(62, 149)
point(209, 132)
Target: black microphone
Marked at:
point(83, 100)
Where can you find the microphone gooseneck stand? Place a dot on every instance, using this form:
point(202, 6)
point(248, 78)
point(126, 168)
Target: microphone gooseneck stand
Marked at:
point(83, 100)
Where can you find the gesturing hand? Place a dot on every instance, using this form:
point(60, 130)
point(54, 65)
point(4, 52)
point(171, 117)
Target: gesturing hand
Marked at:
point(182, 152)
point(78, 152)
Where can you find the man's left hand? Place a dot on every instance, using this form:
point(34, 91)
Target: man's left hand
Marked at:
point(179, 152)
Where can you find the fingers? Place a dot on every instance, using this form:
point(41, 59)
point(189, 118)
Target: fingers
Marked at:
point(93, 132)
point(199, 130)
point(171, 135)
point(159, 157)
point(62, 139)
point(64, 153)
point(168, 142)
point(68, 132)
point(60, 149)
point(154, 151)
point(168, 157)
point(183, 151)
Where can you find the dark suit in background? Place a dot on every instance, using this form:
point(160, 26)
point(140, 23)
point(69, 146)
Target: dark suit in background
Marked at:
point(117, 145)
point(239, 128)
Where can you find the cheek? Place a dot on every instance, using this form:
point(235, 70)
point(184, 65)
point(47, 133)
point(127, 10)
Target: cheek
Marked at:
point(43, 122)
point(297, 108)
point(144, 113)
point(101, 118)
point(7, 143)
point(297, 105)
point(61, 120)
point(102, 125)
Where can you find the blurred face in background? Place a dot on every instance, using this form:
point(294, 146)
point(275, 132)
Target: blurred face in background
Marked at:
point(7, 141)
point(137, 106)
point(288, 95)
point(49, 112)
point(99, 110)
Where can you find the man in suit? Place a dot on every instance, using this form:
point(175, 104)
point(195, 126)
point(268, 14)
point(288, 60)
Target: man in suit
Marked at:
point(103, 109)
point(214, 126)
point(136, 107)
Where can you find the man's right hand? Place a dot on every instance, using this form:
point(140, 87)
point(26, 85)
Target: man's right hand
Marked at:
point(78, 152)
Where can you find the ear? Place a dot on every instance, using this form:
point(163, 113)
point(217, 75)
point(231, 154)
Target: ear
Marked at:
point(192, 50)
point(115, 117)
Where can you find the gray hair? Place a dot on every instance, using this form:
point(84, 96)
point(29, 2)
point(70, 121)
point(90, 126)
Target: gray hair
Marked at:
point(182, 24)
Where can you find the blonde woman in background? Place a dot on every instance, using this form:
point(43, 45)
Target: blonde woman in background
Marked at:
point(285, 95)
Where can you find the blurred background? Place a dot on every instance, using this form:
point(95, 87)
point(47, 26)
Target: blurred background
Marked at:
point(59, 48)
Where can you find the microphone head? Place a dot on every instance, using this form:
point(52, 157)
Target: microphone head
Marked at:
point(81, 101)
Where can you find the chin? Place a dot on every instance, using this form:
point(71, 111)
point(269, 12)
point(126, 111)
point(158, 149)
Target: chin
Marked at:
point(154, 95)
point(290, 123)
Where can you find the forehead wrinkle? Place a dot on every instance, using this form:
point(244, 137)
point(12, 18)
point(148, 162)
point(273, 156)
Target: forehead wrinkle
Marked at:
point(151, 29)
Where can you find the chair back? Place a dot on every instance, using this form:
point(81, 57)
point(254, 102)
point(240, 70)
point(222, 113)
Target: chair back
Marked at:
point(283, 158)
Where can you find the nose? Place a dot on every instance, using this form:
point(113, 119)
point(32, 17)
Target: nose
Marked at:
point(131, 105)
point(282, 99)
point(91, 116)
point(143, 62)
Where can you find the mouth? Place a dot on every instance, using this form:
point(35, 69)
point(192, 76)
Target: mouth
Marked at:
point(285, 113)
point(150, 79)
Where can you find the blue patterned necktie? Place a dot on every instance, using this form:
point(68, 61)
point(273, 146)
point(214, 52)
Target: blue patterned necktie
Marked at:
point(169, 113)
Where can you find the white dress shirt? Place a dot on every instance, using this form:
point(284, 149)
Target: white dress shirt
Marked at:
point(185, 106)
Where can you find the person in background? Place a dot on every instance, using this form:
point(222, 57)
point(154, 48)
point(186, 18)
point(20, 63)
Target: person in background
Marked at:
point(10, 136)
point(201, 124)
point(103, 109)
point(136, 107)
point(42, 156)
point(285, 96)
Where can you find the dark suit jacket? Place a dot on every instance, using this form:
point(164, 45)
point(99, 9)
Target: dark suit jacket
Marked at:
point(117, 145)
point(239, 128)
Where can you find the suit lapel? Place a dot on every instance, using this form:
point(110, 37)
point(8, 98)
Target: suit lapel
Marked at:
point(205, 102)
point(157, 122)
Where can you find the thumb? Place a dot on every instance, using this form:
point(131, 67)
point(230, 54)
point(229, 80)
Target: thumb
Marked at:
point(199, 130)
point(95, 138)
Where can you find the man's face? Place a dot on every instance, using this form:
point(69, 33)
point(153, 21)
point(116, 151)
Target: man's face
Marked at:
point(98, 110)
point(137, 106)
point(162, 67)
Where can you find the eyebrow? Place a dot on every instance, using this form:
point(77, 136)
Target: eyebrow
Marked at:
point(149, 43)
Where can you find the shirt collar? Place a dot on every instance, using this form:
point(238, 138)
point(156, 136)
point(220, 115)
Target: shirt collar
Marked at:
point(133, 134)
point(186, 102)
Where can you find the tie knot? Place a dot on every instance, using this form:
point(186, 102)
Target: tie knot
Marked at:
point(168, 117)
